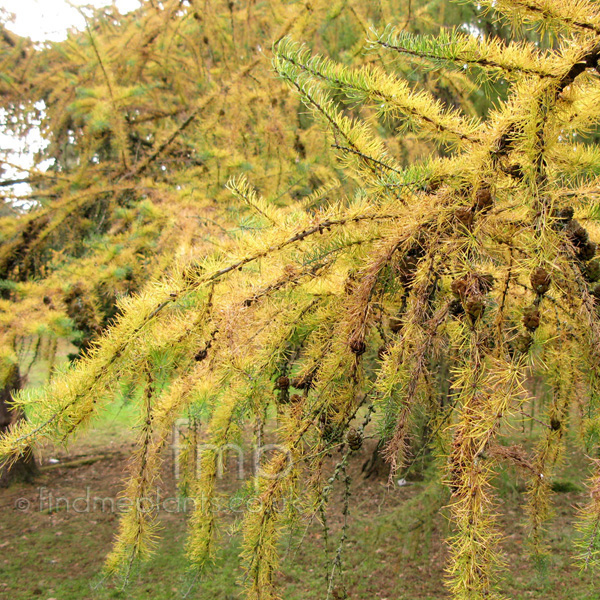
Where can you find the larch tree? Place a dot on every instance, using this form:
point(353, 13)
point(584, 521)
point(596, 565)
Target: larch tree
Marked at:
point(146, 116)
point(336, 309)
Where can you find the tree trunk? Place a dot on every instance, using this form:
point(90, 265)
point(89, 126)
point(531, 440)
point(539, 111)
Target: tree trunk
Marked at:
point(376, 466)
point(25, 468)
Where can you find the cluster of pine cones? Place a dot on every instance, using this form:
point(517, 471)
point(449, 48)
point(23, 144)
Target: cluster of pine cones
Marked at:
point(585, 249)
point(469, 291)
point(540, 281)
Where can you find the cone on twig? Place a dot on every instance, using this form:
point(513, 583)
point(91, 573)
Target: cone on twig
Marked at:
point(522, 343)
point(483, 200)
point(531, 318)
point(354, 439)
point(282, 383)
point(577, 235)
point(587, 251)
point(474, 307)
point(540, 280)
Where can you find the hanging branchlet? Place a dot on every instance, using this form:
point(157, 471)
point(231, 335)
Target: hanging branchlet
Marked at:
point(487, 391)
point(137, 528)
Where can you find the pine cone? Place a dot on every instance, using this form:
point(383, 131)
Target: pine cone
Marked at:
point(540, 280)
point(350, 283)
point(486, 282)
point(464, 214)
point(531, 318)
point(302, 383)
point(295, 398)
point(515, 171)
point(483, 199)
point(358, 347)
point(555, 424)
point(565, 215)
point(406, 267)
point(455, 308)
point(282, 383)
point(577, 235)
point(459, 287)
point(522, 343)
point(474, 307)
point(587, 251)
point(354, 439)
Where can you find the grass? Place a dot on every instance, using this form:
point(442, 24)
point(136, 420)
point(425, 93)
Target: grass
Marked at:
point(394, 549)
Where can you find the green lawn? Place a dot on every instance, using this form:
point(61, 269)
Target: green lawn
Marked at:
point(392, 550)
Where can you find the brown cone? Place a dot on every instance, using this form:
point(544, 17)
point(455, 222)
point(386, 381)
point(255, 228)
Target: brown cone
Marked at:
point(566, 214)
point(540, 280)
point(455, 308)
point(483, 199)
point(531, 318)
point(523, 342)
point(459, 287)
point(354, 439)
point(282, 383)
point(358, 347)
point(464, 215)
point(474, 307)
point(587, 251)
point(577, 234)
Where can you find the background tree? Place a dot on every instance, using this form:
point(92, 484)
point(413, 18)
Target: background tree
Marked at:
point(339, 314)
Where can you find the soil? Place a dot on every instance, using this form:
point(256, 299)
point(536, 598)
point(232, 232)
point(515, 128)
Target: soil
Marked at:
point(56, 532)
